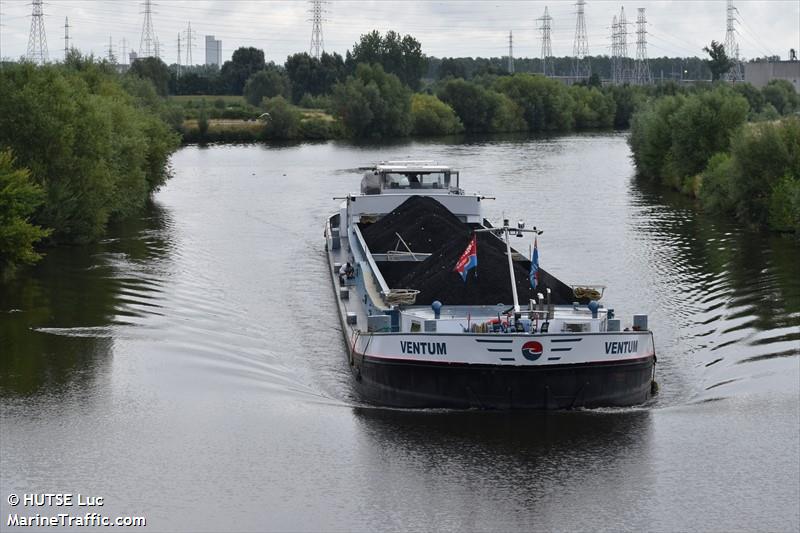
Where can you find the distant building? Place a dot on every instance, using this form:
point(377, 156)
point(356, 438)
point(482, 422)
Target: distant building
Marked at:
point(760, 73)
point(213, 51)
point(132, 56)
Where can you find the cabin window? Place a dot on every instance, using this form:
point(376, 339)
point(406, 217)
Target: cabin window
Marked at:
point(415, 326)
point(576, 327)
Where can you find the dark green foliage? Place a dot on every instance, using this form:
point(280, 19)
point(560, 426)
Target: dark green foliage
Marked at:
point(19, 199)
point(154, 70)
point(401, 56)
point(546, 103)
point(96, 150)
point(244, 63)
point(472, 103)
point(309, 75)
point(718, 63)
point(433, 117)
point(674, 138)
point(702, 127)
point(283, 121)
point(373, 103)
point(319, 127)
point(266, 84)
point(782, 95)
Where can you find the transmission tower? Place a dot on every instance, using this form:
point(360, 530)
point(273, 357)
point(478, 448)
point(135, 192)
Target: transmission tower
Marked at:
point(111, 57)
point(580, 49)
point(547, 50)
point(1, 34)
point(614, 50)
point(189, 45)
point(148, 44)
point(179, 54)
point(731, 46)
point(317, 43)
point(37, 40)
point(510, 52)
point(623, 72)
point(124, 52)
point(641, 70)
point(66, 37)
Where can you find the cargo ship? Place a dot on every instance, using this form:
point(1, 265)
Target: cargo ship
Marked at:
point(437, 309)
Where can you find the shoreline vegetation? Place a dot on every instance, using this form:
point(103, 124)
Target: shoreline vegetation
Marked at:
point(83, 142)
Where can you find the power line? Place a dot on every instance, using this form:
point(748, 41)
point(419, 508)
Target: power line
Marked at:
point(37, 40)
point(179, 54)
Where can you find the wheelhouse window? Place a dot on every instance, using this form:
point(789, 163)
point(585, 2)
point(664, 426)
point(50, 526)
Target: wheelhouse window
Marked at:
point(417, 180)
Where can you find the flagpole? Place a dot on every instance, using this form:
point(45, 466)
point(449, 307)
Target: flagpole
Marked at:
point(511, 272)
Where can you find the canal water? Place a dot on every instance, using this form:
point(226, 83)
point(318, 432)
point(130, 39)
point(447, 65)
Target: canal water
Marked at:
point(190, 367)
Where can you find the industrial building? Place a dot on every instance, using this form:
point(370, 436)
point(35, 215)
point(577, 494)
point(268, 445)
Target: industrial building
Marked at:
point(760, 73)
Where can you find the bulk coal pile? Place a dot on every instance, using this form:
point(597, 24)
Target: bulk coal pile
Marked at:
point(425, 225)
point(488, 284)
point(428, 227)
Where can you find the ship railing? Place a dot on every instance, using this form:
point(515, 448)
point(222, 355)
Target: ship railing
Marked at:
point(376, 273)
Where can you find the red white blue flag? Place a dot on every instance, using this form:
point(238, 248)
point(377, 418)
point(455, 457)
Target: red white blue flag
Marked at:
point(468, 259)
point(535, 264)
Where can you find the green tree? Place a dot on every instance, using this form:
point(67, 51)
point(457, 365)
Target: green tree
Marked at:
point(245, 62)
point(266, 84)
point(782, 95)
point(401, 56)
point(153, 69)
point(472, 103)
point(309, 75)
point(546, 103)
point(97, 151)
point(718, 63)
point(19, 198)
point(373, 103)
point(433, 117)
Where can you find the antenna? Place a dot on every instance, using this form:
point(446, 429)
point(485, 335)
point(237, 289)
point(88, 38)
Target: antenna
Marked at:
point(189, 45)
point(731, 46)
point(580, 48)
point(66, 37)
point(124, 51)
point(547, 51)
point(148, 44)
point(317, 42)
point(37, 40)
point(641, 70)
point(179, 54)
point(510, 52)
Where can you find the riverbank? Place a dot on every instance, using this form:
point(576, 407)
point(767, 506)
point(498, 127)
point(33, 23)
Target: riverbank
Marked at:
point(703, 145)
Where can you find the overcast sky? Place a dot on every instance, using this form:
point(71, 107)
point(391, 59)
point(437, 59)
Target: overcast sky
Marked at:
point(445, 28)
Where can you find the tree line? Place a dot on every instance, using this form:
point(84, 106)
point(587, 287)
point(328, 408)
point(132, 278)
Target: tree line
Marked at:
point(734, 148)
point(79, 146)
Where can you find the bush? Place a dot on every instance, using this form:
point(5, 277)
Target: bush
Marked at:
point(19, 198)
point(219, 103)
point(784, 205)
point(308, 101)
point(319, 127)
point(283, 121)
point(431, 116)
point(471, 102)
point(373, 103)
